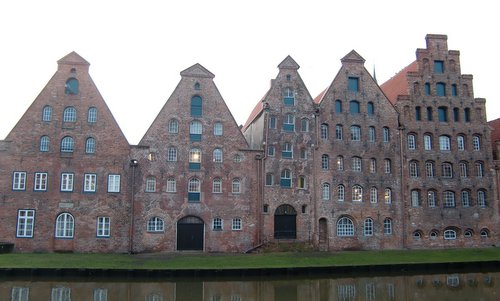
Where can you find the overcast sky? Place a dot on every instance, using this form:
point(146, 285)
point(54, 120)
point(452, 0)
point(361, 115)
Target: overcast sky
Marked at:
point(138, 48)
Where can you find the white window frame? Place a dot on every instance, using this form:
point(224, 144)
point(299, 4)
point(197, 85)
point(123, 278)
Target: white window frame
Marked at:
point(373, 195)
point(356, 164)
point(150, 184)
point(345, 227)
point(92, 115)
point(217, 224)
point(387, 226)
point(65, 225)
point(476, 143)
point(155, 224)
point(90, 182)
point(411, 141)
point(217, 155)
point(450, 234)
point(173, 126)
point(368, 227)
point(355, 133)
point(357, 193)
point(67, 181)
point(388, 196)
point(172, 154)
point(114, 183)
point(25, 223)
point(444, 143)
point(19, 180)
point(236, 224)
point(218, 129)
point(171, 185)
point(103, 226)
point(40, 182)
point(325, 192)
point(427, 142)
point(236, 186)
point(340, 193)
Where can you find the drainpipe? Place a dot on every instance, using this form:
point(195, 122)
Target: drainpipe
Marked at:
point(133, 164)
point(402, 184)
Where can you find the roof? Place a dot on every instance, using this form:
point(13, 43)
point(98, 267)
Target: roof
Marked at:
point(197, 70)
point(495, 131)
point(398, 84)
point(73, 58)
point(319, 98)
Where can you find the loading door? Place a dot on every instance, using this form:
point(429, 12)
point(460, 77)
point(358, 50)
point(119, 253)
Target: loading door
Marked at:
point(190, 231)
point(285, 222)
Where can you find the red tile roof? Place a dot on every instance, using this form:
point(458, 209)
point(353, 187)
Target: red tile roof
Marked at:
point(319, 98)
point(398, 84)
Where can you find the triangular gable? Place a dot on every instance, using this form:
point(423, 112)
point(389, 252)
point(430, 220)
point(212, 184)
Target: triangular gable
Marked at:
point(197, 70)
point(353, 57)
point(288, 63)
point(73, 58)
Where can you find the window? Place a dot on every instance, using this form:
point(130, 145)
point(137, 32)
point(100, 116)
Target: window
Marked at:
point(353, 84)
point(429, 169)
point(338, 106)
point(40, 181)
point(217, 224)
point(413, 169)
point(197, 86)
point(171, 185)
point(356, 164)
point(417, 235)
point(287, 151)
point(195, 159)
point(272, 122)
point(460, 142)
point(325, 162)
point(269, 179)
point(100, 294)
point(113, 183)
point(476, 143)
point(429, 113)
point(103, 226)
point(44, 143)
point(155, 224)
point(444, 143)
point(386, 134)
point(20, 293)
point(173, 126)
point(345, 227)
point(150, 184)
point(465, 198)
point(443, 114)
point(89, 182)
point(433, 234)
point(355, 133)
point(370, 109)
point(71, 86)
point(427, 88)
point(196, 106)
point(441, 89)
point(90, 145)
point(456, 115)
point(368, 227)
point(373, 165)
point(236, 224)
point(288, 97)
point(387, 166)
point(340, 163)
point(302, 182)
point(388, 196)
point(60, 294)
point(431, 199)
point(304, 125)
point(338, 132)
point(357, 193)
point(373, 195)
point(454, 90)
point(479, 169)
point(481, 198)
point(25, 223)
point(217, 155)
point(325, 192)
point(47, 113)
point(340, 193)
point(467, 115)
point(67, 182)
point(485, 233)
point(354, 107)
point(286, 178)
point(427, 142)
point(237, 158)
point(195, 130)
point(236, 186)
point(194, 190)
point(19, 180)
point(387, 226)
point(371, 134)
point(92, 115)
point(447, 170)
point(324, 131)
point(217, 185)
point(450, 234)
point(415, 198)
point(67, 145)
point(289, 123)
point(65, 224)
point(463, 169)
point(449, 199)
point(218, 129)
point(271, 151)
point(438, 67)
point(418, 114)
point(69, 114)
point(303, 153)
point(172, 154)
point(411, 141)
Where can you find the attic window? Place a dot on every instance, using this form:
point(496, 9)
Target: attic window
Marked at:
point(197, 86)
point(353, 84)
point(73, 70)
point(288, 77)
point(71, 86)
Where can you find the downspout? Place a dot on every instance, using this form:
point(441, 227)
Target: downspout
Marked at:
point(402, 185)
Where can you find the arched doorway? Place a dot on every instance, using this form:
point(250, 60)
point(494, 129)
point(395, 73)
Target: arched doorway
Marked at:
point(285, 225)
point(190, 230)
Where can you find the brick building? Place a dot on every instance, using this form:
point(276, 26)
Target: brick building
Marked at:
point(407, 164)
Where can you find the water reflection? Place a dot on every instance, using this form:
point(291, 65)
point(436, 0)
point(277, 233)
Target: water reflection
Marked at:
point(473, 286)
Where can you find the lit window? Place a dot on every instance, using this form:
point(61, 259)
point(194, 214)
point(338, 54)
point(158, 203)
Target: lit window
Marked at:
point(217, 155)
point(69, 114)
point(113, 183)
point(194, 190)
point(217, 185)
point(44, 143)
point(92, 115)
point(340, 163)
point(67, 182)
point(90, 182)
point(236, 224)
point(217, 224)
point(357, 193)
point(67, 145)
point(388, 196)
point(302, 182)
point(345, 227)
point(47, 113)
point(103, 226)
point(195, 159)
point(71, 86)
point(25, 223)
point(171, 185)
point(65, 225)
point(150, 184)
point(40, 181)
point(155, 224)
point(173, 126)
point(196, 106)
point(236, 186)
point(218, 129)
point(368, 227)
point(90, 145)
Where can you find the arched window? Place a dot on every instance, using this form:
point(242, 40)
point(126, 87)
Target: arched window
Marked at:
point(304, 125)
point(387, 226)
point(429, 113)
point(356, 164)
point(371, 134)
point(464, 169)
point(218, 129)
point(90, 145)
point(172, 154)
point(415, 198)
point(325, 162)
point(465, 194)
point(286, 178)
point(433, 234)
point(195, 130)
point(476, 143)
point(197, 86)
point(386, 134)
point(413, 169)
point(368, 227)
point(47, 113)
point(354, 107)
point(338, 132)
point(388, 196)
point(69, 114)
point(449, 199)
point(173, 126)
point(387, 166)
point(44, 143)
point(324, 131)
point(72, 86)
point(431, 199)
point(357, 193)
point(194, 190)
point(171, 185)
point(444, 143)
point(196, 106)
point(269, 179)
point(67, 145)
point(481, 198)
point(417, 235)
point(340, 193)
point(373, 195)
point(65, 225)
point(325, 192)
point(345, 227)
point(217, 155)
point(194, 159)
point(236, 186)
point(461, 142)
point(429, 169)
point(418, 113)
point(373, 165)
point(450, 234)
point(447, 170)
point(340, 163)
point(484, 233)
point(217, 185)
point(468, 233)
point(427, 142)
point(150, 184)
point(479, 169)
point(156, 224)
point(370, 108)
point(92, 115)
point(338, 106)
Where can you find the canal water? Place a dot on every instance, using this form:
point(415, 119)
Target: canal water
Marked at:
point(471, 286)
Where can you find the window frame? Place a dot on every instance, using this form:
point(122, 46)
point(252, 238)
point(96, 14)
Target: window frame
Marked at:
point(155, 224)
point(25, 227)
point(114, 183)
point(89, 182)
point(40, 182)
point(103, 229)
point(65, 226)
point(67, 182)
